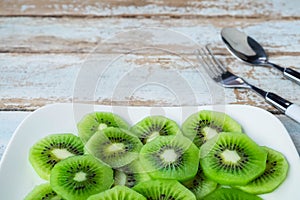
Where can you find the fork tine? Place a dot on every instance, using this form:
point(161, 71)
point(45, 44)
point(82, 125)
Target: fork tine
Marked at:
point(201, 58)
point(210, 62)
point(219, 63)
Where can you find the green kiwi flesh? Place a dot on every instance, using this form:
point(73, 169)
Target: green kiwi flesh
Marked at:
point(274, 174)
point(164, 190)
point(205, 124)
point(79, 177)
point(150, 127)
point(131, 174)
point(230, 194)
point(170, 157)
point(156, 160)
point(50, 150)
point(232, 159)
point(42, 192)
point(114, 146)
point(200, 185)
point(97, 121)
point(118, 193)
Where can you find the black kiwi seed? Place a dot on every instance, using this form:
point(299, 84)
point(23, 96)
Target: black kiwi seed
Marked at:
point(205, 124)
point(118, 192)
point(164, 189)
point(170, 157)
point(275, 173)
point(114, 146)
point(131, 174)
point(79, 177)
point(201, 136)
point(230, 166)
point(93, 122)
point(200, 185)
point(42, 192)
point(232, 159)
point(50, 150)
point(178, 163)
point(153, 126)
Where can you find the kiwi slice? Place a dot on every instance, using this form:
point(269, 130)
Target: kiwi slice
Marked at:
point(150, 127)
point(230, 194)
point(170, 157)
point(79, 177)
point(131, 174)
point(164, 190)
point(43, 192)
point(114, 146)
point(232, 159)
point(274, 174)
point(93, 122)
point(118, 193)
point(200, 185)
point(48, 151)
point(203, 125)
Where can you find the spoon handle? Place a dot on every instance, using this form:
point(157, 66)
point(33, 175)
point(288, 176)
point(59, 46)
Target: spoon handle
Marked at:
point(287, 72)
point(292, 74)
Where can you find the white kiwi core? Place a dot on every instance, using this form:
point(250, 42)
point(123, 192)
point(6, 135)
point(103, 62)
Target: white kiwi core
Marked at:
point(169, 156)
point(102, 126)
point(153, 135)
point(61, 153)
point(121, 177)
point(209, 132)
point(115, 147)
point(230, 156)
point(80, 176)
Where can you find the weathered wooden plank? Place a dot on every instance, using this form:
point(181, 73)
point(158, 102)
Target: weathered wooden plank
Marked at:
point(29, 81)
point(180, 8)
point(9, 121)
point(63, 35)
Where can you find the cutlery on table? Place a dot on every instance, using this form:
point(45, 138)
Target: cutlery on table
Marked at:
point(218, 72)
point(250, 51)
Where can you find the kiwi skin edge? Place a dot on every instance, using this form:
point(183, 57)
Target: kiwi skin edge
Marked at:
point(273, 176)
point(43, 158)
point(194, 127)
point(183, 168)
point(164, 189)
point(79, 177)
point(118, 192)
point(250, 164)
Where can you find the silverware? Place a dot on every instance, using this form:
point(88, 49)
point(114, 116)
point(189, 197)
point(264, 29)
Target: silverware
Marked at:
point(221, 75)
point(250, 51)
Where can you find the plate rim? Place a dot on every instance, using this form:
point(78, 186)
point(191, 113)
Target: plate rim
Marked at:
point(292, 149)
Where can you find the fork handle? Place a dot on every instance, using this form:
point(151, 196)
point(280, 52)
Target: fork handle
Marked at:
point(290, 109)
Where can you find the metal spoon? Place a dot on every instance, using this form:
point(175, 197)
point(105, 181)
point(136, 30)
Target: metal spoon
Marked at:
point(248, 50)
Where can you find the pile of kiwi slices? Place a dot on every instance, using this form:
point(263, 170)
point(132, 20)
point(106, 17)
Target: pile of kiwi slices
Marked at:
point(207, 157)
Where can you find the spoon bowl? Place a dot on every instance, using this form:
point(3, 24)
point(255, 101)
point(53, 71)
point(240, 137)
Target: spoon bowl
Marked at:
point(250, 51)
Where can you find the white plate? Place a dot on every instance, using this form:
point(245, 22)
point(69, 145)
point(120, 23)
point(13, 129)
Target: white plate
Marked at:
point(17, 177)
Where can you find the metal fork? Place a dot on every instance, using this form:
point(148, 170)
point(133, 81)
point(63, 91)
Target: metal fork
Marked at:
point(221, 75)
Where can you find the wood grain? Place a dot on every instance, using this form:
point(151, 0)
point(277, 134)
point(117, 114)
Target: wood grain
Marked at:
point(9, 121)
point(63, 51)
point(29, 81)
point(114, 35)
point(267, 9)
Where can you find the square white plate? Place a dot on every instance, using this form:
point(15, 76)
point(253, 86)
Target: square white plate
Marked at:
point(17, 177)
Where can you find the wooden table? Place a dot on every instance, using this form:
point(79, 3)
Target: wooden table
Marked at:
point(45, 45)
